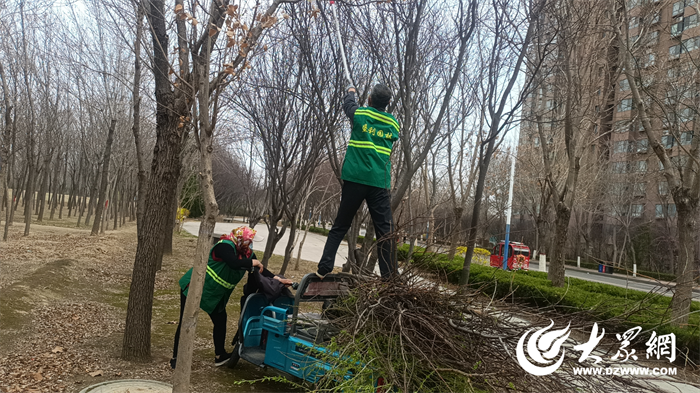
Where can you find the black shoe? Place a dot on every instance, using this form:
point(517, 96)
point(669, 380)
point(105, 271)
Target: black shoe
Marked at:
point(220, 360)
point(173, 362)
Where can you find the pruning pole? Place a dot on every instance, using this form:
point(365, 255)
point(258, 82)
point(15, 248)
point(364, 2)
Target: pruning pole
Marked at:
point(340, 43)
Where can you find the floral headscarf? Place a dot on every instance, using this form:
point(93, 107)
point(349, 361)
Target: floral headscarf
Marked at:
point(242, 237)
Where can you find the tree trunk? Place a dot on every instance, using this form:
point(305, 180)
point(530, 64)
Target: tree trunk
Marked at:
point(170, 227)
point(29, 193)
point(104, 176)
point(687, 212)
point(136, 127)
point(93, 195)
point(476, 211)
point(115, 203)
point(556, 269)
point(5, 153)
point(181, 377)
point(369, 250)
point(352, 234)
point(289, 249)
point(274, 236)
point(301, 244)
point(58, 188)
point(456, 230)
point(44, 184)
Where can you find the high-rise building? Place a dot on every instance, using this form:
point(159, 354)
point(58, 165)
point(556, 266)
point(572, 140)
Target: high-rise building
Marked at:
point(623, 193)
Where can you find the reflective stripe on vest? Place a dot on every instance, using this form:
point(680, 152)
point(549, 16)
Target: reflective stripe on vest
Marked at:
point(378, 117)
point(218, 279)
point(369, 145)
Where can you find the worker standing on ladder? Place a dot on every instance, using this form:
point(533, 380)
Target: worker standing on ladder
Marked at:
point(366, 176)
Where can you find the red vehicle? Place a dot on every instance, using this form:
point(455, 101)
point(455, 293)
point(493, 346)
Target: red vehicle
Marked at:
point(518, 256)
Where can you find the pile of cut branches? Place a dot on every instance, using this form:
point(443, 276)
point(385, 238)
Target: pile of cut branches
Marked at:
point(419, 336)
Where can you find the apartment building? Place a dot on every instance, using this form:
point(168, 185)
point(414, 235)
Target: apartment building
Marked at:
point(630, 190)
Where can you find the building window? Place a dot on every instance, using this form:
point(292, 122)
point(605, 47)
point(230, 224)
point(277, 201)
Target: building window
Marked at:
point(634, 22)
point(690, 44)
point(686, 138)
point(621, 147)
point(653, 38)
point(656, 18)
point(637, 211)
point(690, 21)
point(624, 85)
point(674, 52)
point(667, 141)
point(663, 188)
point(678, 7)
point(537, 141)
point(677, 28)
point(619, 167)
point(640, 166)
point(649, 60)
point(642, 146)
point(625, 105)
point(686, 114)
point(665, 211)
point(659, 211)
point(639, 189)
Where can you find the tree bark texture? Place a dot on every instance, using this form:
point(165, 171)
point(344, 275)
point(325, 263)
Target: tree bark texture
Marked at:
point(104, 176)
point(476, 211)
point(165, 169)
point(685, 266)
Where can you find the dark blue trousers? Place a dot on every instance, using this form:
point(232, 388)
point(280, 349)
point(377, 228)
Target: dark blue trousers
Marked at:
point(379, 204)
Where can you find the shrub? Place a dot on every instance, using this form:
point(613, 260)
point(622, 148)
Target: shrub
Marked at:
point(601, 301)
point(477, 251)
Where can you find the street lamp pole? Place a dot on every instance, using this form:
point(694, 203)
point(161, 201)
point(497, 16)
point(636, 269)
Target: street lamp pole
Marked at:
point(509, 211)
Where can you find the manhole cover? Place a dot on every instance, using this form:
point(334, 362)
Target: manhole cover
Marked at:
point(129, 386)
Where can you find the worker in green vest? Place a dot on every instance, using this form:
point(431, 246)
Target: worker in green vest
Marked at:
point(229, 260)
point(366, 176)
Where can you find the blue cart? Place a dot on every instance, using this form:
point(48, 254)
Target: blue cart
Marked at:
point(278, 336)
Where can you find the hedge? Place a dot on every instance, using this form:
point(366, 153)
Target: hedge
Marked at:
point(643, 273)
point(601, 301)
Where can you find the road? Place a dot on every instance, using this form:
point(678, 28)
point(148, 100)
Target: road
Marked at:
point(313, 249)
point(617, 280)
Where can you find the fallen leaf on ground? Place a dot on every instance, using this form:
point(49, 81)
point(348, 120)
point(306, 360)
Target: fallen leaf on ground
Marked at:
point(37, 376)
point(96, 373)
point(57, 350)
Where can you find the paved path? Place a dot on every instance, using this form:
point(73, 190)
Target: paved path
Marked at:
point(313, 246)
point(618, 280)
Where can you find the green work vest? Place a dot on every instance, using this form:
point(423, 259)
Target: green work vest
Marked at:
point(368, 158)
point(218, 283)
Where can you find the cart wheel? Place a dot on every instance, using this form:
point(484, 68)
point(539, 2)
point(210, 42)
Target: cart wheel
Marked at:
point(235, 356)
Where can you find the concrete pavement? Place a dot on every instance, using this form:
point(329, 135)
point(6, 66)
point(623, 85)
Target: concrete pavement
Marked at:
point(312, 250)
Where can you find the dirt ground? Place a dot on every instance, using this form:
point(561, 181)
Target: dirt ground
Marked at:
point(63, 297)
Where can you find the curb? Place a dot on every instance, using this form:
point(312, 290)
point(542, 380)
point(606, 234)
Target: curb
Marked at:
point(628, 277)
